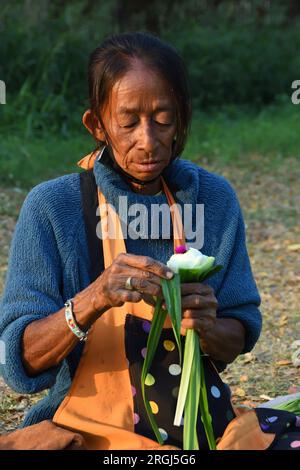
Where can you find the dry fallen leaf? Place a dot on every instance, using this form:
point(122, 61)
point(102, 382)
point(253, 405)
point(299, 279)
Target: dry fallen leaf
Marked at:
point(248, 357)
point(265, 397)
point(294, 247)
point(283, 320)
point(243, 378)
point(283, 362)
point(240, 392)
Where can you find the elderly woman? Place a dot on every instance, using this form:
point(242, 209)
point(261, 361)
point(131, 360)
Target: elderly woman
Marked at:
point(66, 284)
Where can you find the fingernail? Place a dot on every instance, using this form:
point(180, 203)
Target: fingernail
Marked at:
point(170, 274)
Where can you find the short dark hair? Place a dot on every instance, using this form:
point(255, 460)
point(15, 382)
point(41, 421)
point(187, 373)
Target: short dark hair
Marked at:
point(113, 58)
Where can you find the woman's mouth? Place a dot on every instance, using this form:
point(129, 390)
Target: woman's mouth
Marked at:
point(148, 167)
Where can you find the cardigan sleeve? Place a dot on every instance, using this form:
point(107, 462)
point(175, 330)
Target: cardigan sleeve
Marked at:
point(237, 295)
point(31, 292)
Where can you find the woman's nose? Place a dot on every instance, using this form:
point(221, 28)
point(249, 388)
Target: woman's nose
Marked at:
point(147, 139)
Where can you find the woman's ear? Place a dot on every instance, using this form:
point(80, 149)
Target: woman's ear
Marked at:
point(92, 124)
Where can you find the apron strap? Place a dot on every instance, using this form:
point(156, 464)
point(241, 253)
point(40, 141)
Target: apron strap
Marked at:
point(89, 201)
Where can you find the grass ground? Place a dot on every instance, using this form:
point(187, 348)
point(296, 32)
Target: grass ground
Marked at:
point(267, 185)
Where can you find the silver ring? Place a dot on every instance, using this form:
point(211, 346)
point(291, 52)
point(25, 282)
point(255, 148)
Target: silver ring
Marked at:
point(128, 284)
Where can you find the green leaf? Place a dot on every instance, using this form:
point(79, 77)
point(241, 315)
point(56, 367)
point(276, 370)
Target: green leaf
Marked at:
point(198, 274)
point(158, 320)
point(210, 273)
point(293, 406)
point(172, 295)
point(190, 439)
point(204, 409)
point(185, 376)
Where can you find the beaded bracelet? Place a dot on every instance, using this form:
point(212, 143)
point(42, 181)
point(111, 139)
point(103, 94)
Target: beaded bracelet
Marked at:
point(72, 323)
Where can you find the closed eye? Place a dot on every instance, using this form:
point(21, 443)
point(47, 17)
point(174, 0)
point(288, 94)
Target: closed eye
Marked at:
point(163, 123)
point(128, 126)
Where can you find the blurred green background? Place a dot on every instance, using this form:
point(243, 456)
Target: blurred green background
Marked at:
point(242, 57)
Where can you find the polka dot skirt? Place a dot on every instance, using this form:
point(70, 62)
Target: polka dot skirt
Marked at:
point(162, 386)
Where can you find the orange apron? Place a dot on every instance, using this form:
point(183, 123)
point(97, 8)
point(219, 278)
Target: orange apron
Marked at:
point(99, 403)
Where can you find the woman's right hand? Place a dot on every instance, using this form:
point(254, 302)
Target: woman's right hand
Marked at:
point(145, 272)
point(47, 341)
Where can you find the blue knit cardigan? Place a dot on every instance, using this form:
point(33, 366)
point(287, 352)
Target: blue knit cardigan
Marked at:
point(49, 263)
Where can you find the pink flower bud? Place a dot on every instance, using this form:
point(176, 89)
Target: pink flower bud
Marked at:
point(181, 249)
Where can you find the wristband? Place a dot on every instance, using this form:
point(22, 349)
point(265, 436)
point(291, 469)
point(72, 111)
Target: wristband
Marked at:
point(71, 322)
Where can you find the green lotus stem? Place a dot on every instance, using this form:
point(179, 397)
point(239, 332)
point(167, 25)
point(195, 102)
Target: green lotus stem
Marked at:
point(171, 292)
point(190, 390)
point(192, 393)
point(185, 376)
point(190, 438)
point(204, 410)
point(158, 320)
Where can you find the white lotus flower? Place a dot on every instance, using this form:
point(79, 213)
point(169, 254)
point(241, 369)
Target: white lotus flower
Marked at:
point(191, 259)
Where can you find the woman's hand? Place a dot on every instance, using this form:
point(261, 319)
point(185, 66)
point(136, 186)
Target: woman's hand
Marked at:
point(46, 342)
point(222, 338)
point(199, 307)
point(145, 272)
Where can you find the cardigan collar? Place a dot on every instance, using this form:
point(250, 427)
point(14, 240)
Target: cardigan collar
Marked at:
point(181, 176)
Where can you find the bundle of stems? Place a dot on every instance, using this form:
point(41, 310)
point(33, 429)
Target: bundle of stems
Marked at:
point(192, 392)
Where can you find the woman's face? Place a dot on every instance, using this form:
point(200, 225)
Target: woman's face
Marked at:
point(139, 119)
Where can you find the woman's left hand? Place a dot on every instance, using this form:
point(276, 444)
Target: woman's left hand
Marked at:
point(199, 307)
point(222, 339)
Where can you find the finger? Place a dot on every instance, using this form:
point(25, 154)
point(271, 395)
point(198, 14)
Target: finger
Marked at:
point(141, 285)
point(197, 301)
point(146, 287)
point(124, 271)
point(201, 325)
point(190, 324)
point(129, 296)
point(198, 314)
point(145, 263)
point(196, 288)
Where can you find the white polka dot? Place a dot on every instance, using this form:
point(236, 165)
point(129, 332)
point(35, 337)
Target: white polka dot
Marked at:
point(164, 434)
point(175, 369)
point(182, 421)
point(215, 391)
point(175, 392)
